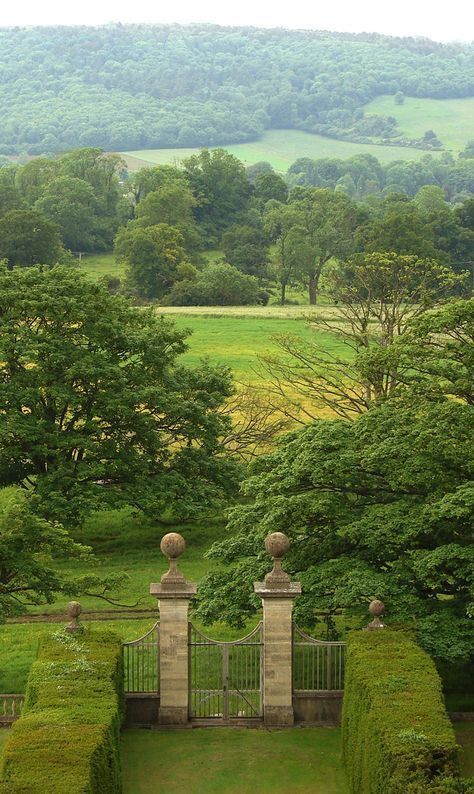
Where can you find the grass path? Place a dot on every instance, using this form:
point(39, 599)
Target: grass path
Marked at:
point(233, 761)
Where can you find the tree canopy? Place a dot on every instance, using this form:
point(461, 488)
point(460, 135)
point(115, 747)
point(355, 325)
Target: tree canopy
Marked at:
point(124, 87)
point(378, 507)
point(96, 409)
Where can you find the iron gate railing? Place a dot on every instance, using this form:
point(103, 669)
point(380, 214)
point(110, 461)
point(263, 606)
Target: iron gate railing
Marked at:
point(225, 677)
point(317, 665)
point(141, 662)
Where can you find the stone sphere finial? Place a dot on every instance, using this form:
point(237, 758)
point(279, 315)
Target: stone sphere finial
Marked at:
point(173, 545)
point(277, 544)
point(376, 609)
point(74, 609)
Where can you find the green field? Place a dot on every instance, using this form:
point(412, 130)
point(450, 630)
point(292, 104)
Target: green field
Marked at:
point(451, 119)
point(98, 265)
point(280, 148)
point(235, 761)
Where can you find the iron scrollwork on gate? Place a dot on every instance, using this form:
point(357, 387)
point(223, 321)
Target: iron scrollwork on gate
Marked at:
point(225, 677)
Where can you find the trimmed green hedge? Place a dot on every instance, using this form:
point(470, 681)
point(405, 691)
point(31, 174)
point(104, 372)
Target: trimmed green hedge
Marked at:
point(395, 731)
point(67, 740)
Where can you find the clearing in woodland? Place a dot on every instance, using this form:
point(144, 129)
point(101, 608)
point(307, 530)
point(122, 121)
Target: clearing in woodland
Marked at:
point(451, 119)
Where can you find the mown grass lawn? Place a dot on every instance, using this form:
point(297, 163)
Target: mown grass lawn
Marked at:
point(234, 761)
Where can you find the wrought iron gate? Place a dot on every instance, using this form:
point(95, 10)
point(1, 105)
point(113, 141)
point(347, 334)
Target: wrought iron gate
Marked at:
point(317, 665)
point(225, 677)
point(141, 662)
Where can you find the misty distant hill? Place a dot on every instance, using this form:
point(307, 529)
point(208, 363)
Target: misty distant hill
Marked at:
point(135, 87)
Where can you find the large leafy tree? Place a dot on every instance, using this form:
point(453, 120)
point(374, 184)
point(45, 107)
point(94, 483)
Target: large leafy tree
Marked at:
point(381, 507)
point(324, 230)
point(221, 188)
point(94, 407)
point(152, 255)
point(27, 237)
point(378, 507)
point(246, 248)
point(28, 547)
point(70, 203)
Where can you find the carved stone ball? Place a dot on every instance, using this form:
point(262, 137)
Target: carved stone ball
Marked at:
point(277, 544)
point(74, 609)
point(172, 545)
point(376, 608)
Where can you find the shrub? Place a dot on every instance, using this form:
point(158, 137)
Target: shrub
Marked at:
point(396, 733)
point(219, 284)
point(67, 740)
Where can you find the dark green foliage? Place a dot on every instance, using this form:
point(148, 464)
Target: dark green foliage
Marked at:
point(369, 177)
point(221, 189)
point(134, 87)
point(396, 734)
point(152, 255)
point(67, 740)
point(28, 547)
point(379, 507)
point(95, 408)
point(270, 186)
point(27, 237)
point(246, 248)
point(219, 284)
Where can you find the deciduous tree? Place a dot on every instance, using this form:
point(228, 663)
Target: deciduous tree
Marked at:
point(95, 408)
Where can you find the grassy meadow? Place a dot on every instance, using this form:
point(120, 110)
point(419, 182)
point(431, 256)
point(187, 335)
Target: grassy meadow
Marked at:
point(451, 119)
point(280, 148)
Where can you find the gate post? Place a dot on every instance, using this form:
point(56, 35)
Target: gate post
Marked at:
point(277, 593)
point(174, 593)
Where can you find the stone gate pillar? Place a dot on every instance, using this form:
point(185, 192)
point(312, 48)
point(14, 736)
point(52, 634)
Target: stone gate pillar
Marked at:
point(277, 593)
point(174, 594)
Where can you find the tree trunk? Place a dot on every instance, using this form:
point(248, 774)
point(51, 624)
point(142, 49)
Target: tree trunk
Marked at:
point(283, 293)
point(312, 286)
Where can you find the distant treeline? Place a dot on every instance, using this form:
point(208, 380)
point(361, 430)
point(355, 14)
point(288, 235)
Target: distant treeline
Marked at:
point(131, 87)
point(161, 220)
point(363, 174)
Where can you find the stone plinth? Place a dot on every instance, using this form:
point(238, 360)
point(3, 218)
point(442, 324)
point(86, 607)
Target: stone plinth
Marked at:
point(174, 594)
point(278, 651)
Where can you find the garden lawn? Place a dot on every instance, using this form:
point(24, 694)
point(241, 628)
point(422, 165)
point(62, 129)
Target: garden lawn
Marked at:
point(233, 760)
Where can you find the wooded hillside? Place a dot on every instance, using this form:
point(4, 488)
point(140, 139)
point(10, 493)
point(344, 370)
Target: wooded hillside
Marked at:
point(131, 87)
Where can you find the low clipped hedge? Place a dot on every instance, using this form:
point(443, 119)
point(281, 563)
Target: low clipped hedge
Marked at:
point(67, 739)
point(395, 731)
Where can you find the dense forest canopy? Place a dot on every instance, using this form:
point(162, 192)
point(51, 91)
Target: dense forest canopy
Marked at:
point(136, 86)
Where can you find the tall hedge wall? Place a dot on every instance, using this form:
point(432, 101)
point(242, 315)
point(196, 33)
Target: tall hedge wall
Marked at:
point(396, 734)
point(66, 741)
